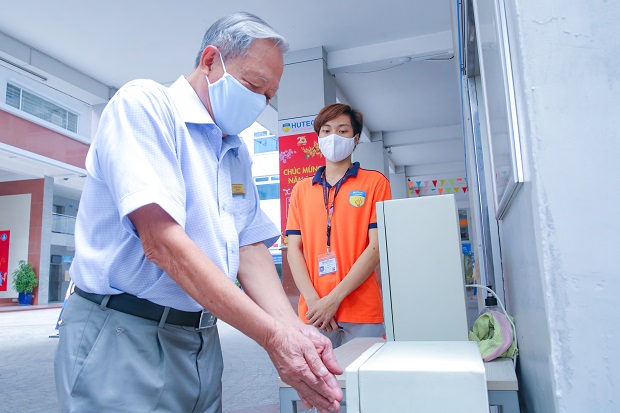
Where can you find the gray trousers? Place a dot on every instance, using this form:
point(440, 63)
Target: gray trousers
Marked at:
point(108, 361)
point(349, 331)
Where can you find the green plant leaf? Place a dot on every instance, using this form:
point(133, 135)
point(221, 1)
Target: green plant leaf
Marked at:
point(24, 278)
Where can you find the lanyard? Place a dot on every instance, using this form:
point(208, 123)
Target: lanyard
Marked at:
point(329, 208)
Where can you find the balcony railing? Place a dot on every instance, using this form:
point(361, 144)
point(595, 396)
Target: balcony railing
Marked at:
point(63, 224)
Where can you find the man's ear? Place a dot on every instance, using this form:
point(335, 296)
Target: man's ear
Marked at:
point(209, 56)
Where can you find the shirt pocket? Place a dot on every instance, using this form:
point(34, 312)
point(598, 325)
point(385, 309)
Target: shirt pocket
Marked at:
point(242, 211)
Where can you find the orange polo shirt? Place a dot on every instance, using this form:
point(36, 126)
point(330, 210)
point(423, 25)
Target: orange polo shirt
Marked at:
point(353, 215)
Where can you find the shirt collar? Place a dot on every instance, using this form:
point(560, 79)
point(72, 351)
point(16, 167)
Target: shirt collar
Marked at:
point(192, 110)
point(189, 105)
point(352, 171)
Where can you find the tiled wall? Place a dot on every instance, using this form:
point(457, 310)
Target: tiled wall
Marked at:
point(31, 137)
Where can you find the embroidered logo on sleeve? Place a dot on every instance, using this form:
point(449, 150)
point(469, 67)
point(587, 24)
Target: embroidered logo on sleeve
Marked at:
point(357, 198)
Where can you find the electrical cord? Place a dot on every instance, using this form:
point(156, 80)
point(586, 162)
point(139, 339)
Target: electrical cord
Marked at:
point(501, 305)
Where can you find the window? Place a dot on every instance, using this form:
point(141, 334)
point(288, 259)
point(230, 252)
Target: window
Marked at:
point(58, 209)
point(43, 109)
point(268, 187)
point(263, 144)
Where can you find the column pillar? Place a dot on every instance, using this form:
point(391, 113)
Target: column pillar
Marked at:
point(398, 184)
point(46, 237)
point(305, 88)
point(372, 155)
point(306, 84)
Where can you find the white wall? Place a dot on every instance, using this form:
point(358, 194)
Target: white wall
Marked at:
point(15, 217)
point(559, 239)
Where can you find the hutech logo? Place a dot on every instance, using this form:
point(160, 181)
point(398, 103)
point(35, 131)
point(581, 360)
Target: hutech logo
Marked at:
point(300, 126)
point(357, 198)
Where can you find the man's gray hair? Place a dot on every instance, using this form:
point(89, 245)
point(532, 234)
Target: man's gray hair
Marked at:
point(233, 35)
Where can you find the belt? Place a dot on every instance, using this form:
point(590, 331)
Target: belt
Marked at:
point(139, 307)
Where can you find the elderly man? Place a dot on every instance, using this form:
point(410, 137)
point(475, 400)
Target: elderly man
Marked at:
point(168, 219)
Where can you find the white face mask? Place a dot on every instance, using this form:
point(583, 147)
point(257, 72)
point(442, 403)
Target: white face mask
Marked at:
point(335, 148)
point(235, 107)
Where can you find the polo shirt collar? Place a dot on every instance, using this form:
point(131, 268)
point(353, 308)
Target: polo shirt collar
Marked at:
point(352, 171)
point(189, 105)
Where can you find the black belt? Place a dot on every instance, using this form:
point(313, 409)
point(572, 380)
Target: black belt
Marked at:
point(139, 307)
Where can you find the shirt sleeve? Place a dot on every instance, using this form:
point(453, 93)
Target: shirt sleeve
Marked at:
point(260, 228)
point(257, 226)
point(135, 155)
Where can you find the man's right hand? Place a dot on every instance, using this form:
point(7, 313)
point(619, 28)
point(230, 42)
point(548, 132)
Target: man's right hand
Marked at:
point(305, 359)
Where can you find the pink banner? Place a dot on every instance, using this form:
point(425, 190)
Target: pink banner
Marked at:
point(300, 157)
point(5, 240)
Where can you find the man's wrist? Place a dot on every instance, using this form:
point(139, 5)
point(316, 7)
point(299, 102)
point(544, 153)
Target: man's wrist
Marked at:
point(292, 321)
point(269, 333)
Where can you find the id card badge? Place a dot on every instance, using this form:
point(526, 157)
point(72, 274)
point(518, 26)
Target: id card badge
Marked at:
point(327, 264)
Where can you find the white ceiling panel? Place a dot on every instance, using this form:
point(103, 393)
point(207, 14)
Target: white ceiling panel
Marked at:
point(116, 41)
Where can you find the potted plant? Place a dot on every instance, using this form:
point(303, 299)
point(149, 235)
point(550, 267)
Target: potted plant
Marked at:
point(24, 281)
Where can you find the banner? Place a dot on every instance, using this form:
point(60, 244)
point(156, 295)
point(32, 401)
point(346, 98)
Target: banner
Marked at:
point(5, 241)
point(300, 157)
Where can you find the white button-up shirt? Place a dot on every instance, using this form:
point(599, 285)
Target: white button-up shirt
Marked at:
point(159, 145)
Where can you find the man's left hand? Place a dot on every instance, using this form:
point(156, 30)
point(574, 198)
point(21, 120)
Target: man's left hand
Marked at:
point(324, 348)
point(305, 360)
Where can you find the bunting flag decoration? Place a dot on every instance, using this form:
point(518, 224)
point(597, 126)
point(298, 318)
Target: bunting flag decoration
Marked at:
point(448, 185)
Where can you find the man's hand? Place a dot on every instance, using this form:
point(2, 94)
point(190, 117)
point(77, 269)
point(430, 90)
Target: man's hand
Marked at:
point(321, 313)
point(304, 359)
point(324, 347)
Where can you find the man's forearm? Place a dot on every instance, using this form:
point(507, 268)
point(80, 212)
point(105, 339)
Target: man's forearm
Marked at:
point(167, 245)
point(259, 279)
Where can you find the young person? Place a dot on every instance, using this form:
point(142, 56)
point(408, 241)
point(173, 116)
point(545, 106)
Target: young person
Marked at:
point(332, 234)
